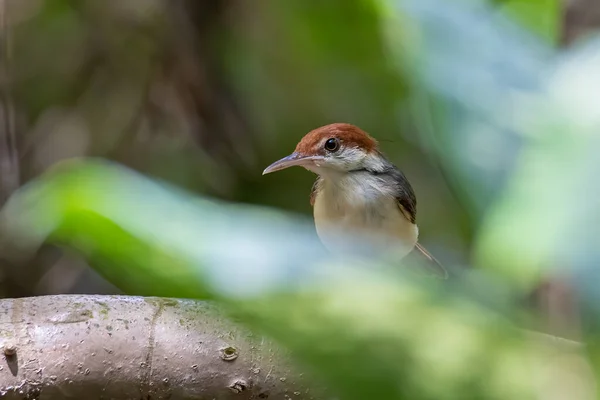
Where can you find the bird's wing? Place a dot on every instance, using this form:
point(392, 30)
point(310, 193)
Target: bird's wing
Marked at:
point(422, 260)
point(419, 257)
point(404, 193)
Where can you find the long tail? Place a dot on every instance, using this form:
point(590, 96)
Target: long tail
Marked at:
point(425, 262)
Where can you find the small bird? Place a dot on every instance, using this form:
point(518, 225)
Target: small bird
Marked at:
point(359, 191)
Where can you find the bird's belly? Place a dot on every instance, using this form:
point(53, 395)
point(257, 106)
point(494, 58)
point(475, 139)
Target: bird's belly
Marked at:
point(382, 225)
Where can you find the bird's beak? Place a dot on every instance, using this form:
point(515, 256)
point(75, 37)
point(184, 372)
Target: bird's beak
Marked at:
point(294, 159)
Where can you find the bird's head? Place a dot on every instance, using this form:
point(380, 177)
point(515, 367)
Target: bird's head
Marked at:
point(332, 149)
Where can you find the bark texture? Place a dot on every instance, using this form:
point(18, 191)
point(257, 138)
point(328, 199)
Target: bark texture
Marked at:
point(119, 347)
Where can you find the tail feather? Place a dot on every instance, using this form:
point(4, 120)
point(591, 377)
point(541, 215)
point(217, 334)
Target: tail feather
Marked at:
point(425, 262)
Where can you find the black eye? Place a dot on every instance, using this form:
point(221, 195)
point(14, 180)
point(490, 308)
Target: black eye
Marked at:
point(332, 144)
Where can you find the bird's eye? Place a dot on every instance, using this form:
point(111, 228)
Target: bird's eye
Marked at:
point(332, 144)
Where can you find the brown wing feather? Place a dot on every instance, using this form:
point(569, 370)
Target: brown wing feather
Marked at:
point(407, 202)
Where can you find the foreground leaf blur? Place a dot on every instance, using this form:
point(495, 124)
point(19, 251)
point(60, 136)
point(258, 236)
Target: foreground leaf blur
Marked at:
point(367, 331)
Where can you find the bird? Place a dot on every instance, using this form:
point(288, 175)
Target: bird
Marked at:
point(359, 191)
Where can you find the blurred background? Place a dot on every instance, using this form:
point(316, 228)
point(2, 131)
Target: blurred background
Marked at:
point(206, 94)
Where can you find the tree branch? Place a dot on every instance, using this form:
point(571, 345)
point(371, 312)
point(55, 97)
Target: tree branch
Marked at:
point(119, 347)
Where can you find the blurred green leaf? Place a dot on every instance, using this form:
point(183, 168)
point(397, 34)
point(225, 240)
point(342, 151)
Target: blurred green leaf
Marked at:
point(368, 332)
point(116, 218)
point(473, 69)
point(541, 219)
point(500, 120)
point(542, 17)
point(548, 217)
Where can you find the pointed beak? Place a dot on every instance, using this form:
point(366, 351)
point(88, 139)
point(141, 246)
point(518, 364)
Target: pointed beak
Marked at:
point(294, 159)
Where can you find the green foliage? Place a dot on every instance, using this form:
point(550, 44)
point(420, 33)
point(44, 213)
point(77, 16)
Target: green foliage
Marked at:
point(540, 16)
point(368, 332)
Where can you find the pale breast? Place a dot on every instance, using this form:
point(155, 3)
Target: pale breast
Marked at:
point(355, 206)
